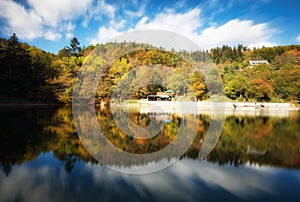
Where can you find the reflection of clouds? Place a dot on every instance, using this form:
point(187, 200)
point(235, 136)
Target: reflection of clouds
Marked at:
point(24, 184)
point(154, 165)
point(191, 181)
point(185, 177)
point(240, 181)
point(262, 168)
point(297, 176)
point(187, 180)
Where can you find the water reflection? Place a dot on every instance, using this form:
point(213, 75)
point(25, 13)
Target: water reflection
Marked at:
point(41, 154)
point(187, 180)
point(27, 132)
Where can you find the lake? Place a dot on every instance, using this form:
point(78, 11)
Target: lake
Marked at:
point(43, 158)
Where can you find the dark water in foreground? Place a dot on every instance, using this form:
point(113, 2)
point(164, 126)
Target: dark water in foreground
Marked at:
point(42, 159)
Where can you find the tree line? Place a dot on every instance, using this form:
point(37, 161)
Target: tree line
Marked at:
point(29, 74)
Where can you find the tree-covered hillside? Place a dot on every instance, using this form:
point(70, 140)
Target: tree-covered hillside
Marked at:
point(29, 74)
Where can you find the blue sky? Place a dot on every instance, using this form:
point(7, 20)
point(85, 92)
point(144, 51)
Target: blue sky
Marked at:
point(50, 24)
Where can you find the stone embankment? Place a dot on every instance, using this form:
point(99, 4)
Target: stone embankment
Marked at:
point(229, 108)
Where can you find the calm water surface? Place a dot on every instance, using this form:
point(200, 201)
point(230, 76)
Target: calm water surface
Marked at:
point(42, 159)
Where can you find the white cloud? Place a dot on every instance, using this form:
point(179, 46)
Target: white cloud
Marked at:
point(298, 38)
point(53, 19)
point(52, 35)
point(180, 4)
point(97, 11)
point(189, 23)
point(68, 26)
point(118, 25)
point(105, 34)
point(182, 23)
point(236, 32)
point(55, 11)
point(68, 29)
point(232, 33)
point(212, 3)
point(136, 14)
point(25, 23)
point(69, 35)
point(42, 16)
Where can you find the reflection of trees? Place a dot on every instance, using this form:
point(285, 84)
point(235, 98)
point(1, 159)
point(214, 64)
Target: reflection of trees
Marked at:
point(137, 145)
point(193, 151)
point(66, 145)
point(262, 140)
point(21, 137)
point(28, 132)
point(107, 145)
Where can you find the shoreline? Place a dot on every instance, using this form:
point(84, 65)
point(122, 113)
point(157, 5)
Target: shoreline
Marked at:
point(206, 105)
point(30, 104)
point(209, 108)
point(201, 105)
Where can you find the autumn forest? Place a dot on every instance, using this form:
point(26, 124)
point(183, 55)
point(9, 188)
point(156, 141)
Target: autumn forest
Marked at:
point(29, 74)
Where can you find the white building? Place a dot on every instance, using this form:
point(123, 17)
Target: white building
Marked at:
point(257, 62)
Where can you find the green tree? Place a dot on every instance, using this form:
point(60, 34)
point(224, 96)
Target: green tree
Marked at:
point(261, 90)
point(197, 85)
point(68, 68)
point(17, 74)
point(177, 82)
point(237, 87)
point(287, 82)
point(74, 49)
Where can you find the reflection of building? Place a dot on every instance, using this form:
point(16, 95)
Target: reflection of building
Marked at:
point(255, 151)
point(257, 62)
point(165, 117)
